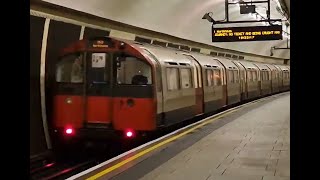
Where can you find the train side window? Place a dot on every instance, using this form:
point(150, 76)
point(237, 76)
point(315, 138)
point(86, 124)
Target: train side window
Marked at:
point(216, 77)
point(172, 79)
point(132, 70)
point(268, 77)
point(230, 76)
point(209, 77)
point(185, 78)
point(70, 69)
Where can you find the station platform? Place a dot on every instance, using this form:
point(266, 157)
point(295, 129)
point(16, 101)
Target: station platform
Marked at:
point(249, 142)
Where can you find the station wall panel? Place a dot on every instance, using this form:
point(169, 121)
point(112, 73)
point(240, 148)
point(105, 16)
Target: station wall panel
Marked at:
point(60, 35)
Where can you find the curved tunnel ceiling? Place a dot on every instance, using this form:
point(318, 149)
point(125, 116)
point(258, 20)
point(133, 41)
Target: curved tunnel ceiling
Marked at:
point(182, 18)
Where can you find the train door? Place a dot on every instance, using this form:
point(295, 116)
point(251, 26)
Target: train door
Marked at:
point(242, 80)
point(198, 85)
point(98, 90)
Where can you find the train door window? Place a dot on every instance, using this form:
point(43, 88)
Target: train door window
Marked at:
point(98, 69)
point(195, 77)
point(185, 78)
point(216, 77)
point(267, 76)
point(254, 75)
point(236, 76)
point(249, 74)
point(70, 69)
point(172, 79)
point(209, 77)
point(284, 75)
point(133, 71)
point(230, 76)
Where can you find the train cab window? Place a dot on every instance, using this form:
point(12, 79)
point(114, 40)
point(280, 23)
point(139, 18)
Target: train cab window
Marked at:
point(216, 77)
point(230, 76)
point(172, 79)
point(209, 77)
point(133, 71)
point(185, 78)
point(70, 69)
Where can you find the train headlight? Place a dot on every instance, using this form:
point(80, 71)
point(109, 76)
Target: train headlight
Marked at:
point(68, 101)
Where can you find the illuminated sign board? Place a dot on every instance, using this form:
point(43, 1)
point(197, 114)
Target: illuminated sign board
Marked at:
point(101, 43)
point(252, 33)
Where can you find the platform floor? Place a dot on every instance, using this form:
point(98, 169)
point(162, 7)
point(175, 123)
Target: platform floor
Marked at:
point(252, 143)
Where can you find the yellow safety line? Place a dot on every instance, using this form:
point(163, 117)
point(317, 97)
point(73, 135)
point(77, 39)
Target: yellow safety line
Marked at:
point(116, 166)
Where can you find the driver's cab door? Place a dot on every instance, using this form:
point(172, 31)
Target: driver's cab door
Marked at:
point(98, 90)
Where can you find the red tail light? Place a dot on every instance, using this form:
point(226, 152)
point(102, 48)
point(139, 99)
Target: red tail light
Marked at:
point(69, 131)
point(129, 133)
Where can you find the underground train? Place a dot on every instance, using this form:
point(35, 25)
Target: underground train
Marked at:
point(107, 87)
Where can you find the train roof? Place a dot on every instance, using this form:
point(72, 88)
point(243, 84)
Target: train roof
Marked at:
point(261, 66)
point(283, 67)
point(272, 67)
point(227, 63)
point(205, 60)
point(248, 64)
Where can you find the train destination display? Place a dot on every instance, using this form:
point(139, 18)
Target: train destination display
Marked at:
point(251, 33)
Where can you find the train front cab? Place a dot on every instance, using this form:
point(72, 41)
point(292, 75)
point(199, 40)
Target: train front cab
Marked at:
point(102, 86)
